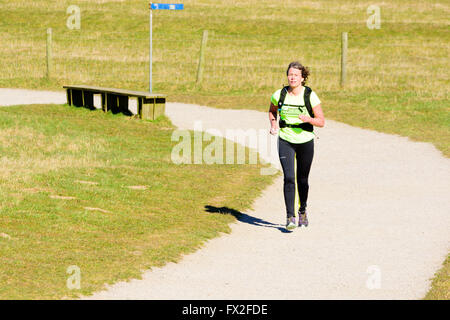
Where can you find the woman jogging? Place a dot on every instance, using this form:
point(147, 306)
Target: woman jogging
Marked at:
point(300, 109)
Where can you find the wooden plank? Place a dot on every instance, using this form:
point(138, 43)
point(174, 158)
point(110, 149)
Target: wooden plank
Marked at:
point(103, 101)
point(68, 97)
point(147, 109)
point(150, 106)
point(202, 54)
point(344, 46)
point(117, 91)
point(160, 107)
point(49, 52)
point(154, 106)
point(139, 107)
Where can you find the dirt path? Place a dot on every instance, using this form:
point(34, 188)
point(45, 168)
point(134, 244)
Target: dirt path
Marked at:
point(379, 223)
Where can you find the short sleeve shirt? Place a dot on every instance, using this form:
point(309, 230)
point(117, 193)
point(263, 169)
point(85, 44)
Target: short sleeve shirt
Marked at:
point(293, 107)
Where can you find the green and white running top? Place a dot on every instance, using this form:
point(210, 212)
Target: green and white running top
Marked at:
point(292, 108)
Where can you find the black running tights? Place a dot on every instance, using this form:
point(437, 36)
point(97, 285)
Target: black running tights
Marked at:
point(288, 153)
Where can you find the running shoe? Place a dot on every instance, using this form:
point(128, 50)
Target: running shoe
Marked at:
point(302, 219)
point(290, 224)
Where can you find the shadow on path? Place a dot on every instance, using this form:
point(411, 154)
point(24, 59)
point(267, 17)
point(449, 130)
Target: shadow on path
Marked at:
point(243, 217)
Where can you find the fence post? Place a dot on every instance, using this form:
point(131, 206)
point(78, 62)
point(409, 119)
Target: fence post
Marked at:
point(344, 44)
point(202, 56)
point(49, 51)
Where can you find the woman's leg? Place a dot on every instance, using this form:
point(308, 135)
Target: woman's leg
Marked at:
point(286, 153)
point(305, 154)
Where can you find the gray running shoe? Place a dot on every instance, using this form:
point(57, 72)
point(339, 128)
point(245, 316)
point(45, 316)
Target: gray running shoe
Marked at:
point(290, 224)
point(302, 219)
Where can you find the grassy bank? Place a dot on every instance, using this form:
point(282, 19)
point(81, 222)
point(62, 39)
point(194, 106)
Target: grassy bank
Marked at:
point(397, 75)
point(79, 188)
point(440, 287)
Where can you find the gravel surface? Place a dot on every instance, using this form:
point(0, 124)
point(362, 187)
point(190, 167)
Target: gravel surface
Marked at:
point(378, 212)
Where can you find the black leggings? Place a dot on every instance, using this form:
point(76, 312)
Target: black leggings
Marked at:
point(288, 153)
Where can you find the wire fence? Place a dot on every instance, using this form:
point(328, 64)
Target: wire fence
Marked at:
point(230, 62)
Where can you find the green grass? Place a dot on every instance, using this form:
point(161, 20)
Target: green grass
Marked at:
point(66, 199)
point(397, 82)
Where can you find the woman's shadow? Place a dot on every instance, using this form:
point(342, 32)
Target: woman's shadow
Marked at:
point(242, 217)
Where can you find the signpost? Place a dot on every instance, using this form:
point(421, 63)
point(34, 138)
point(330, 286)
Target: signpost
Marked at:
point(159, 6)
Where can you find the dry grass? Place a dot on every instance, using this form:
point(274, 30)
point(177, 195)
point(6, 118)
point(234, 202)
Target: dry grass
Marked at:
point(34, 152)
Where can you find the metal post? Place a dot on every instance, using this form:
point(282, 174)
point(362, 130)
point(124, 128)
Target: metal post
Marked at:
point(49, 51)
point(151, 40)
point(344, 58)
point(201, 58)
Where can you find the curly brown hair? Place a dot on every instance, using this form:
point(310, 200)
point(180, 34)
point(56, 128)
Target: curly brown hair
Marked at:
point(302, 68)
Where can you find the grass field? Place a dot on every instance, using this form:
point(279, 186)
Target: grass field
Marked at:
point(398, 75)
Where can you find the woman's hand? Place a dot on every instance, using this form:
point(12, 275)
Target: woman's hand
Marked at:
point(273, 130)
point(318, 120)
point(305, 118)
point(273, 119)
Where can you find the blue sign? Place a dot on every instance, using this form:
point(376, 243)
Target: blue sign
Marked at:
point(167, 6)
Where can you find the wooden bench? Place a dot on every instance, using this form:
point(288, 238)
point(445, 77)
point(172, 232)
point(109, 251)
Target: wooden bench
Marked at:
point(149, 105)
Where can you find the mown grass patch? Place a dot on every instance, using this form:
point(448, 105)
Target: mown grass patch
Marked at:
point(101, 192)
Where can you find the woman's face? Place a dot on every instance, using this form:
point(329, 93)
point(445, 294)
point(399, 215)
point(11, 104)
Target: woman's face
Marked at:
point(294, 77)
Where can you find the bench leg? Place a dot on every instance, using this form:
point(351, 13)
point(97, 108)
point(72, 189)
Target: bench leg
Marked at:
point(104, 102)
point(159, 108)
point(69, 96)
point(139, 107)
point(153, 108)
point(77, 98)
point(147, 109)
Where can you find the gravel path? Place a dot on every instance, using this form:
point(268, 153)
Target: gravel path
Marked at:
point(379, 221)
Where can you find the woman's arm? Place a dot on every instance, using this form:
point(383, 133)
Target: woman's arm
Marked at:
point(318, 120)
point(273, 111)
